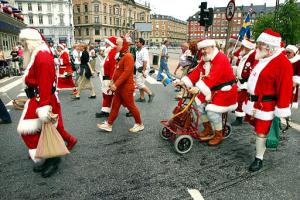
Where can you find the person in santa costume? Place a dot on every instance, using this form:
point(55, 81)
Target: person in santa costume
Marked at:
point(215, 80)
point(40, 81)
point(64, 80)
point(291, 53)
point(242, 74)
point(269, 87)
point(233, 50)
point(108, 68)
point(122, 85)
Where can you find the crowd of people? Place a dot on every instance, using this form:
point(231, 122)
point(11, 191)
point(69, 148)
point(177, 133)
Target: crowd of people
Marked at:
point(256, 80)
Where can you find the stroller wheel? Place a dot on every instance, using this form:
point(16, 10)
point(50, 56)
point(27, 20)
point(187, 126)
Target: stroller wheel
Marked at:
point(183, 144)
point(227, 130)
point(165, 134)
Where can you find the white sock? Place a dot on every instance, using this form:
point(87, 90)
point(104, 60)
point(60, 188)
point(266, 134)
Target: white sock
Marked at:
point(260, 147)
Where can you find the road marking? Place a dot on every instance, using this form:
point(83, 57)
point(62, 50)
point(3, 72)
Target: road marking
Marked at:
point(23, 94)
point(152, 80)
point(11, 85)
point(195, 194)
point(9, 103)
point(6, 79)
point(292, 124)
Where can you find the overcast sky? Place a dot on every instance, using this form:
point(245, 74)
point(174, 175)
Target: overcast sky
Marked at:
point(182, 9)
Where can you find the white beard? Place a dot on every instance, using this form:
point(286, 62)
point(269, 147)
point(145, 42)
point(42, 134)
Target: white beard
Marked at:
point(209, 56)
point(26, 57)
point(260, 54)
point(242, 53)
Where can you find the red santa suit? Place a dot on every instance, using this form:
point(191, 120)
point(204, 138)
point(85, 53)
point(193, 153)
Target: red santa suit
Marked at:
point(216, 82)
point(236, 57)
point(269, 86)
point(296, 74)
point(40, 76)
point(243, 72)
point(65, 80)
point(108, 68)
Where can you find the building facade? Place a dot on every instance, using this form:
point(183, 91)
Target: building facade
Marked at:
point(10, 25)
point(52, 17)
point(219, 28)
point(167, 28)
point(95, 20)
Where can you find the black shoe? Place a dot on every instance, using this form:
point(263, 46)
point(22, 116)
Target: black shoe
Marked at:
point(52, 167)
point(238, 121)
point(40, 168)
point(256, 165)
point(5, 121)
point(140, 100)
point(129, 114)
point(101, 114)
point(92, 97)
point(75, 98)
point(151, 96)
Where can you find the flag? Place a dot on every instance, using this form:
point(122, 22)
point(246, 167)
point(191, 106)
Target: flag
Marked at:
point(245, 30)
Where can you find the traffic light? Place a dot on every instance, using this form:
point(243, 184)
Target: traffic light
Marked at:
point(206, 15)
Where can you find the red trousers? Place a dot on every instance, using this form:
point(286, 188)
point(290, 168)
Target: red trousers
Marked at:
point(126, 99)
point(106, 102)
point(260, 126)
point(242, 96)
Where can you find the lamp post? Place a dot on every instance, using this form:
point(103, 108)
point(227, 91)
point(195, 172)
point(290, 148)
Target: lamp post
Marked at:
point(70, 29)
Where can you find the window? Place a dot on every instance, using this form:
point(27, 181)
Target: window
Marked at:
point(29, 7)
point(110, 9)
point(49, 19)
point(110, 21)
point(116, 32)
point(61, 20)
point(117, 22)
point(40, 19)
point(97, 32)
point(60, 7)
point(105, 32)
point(110, 32)
point(86, 19)
point(96, 8)
point(104, 8)
point(79, 32)
point(42, 31)
point(116, 11)
point(78, 8)
point(78, 20)
point(105, 20)
point(30, 17)
point(39, 7)
point(96, 19)
point(20, 6)
point(86, 9)
point(87, 32)
point(49, 6)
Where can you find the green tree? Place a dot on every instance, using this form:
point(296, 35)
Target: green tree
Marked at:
point(287, 23)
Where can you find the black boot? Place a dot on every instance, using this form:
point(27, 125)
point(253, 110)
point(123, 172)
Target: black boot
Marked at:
point(238, 121)
point(102, 114)
point(129, 114)
point(39, 168)
point(256, 165)
point(52, 167)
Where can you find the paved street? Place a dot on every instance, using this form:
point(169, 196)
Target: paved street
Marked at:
point(122, 165)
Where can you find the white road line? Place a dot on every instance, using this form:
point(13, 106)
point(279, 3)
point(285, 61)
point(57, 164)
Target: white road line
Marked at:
point(11, 85)
point(292, 124)
point(195, 194)
point(23, 94)
point(9, 103)
point(6, 79)
point(153, 81)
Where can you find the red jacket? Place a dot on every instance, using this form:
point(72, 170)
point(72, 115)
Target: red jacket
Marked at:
point(109, 63)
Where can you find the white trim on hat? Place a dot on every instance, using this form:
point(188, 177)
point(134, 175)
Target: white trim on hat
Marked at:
point(61, 46)
point(30, 34)
point(269, 39)
point(248, 44)
point(206, 43)
point(109, 42)
point(292, 48)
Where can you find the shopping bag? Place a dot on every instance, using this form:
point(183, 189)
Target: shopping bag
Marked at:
point(273, 136)
point(50, 144)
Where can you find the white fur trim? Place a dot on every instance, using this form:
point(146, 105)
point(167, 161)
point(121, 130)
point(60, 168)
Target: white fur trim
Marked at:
point(221, 109)
point(206, 43)
point(292, 48)
point(295, 58)
point(109, 42)
point(296, 79)
point(187, 81)
point(198, 102)
point(254, 76)
point(282, 112)
point(241, 65)
point(204, 89)
point(242, 86)
point(38, 161)
point(226, 88)
point(43, 111)
point(259, 114)
point(117, 55)
point(30, 34)
point(28, 126)
point(239, 114)
point(248, 44)
point(106, 109)
point(235, 68)
point(295, 105)
point(269, 39)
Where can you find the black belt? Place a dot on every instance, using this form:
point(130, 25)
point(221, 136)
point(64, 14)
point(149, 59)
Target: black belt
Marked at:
point(33, 92)
point(219, 87)
point(244, 80)
point(265, 98)
point(106, 78)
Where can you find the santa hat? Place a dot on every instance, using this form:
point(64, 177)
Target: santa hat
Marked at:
point(292, 48)
point(248, 44)
point(270, 37)
point(30, 34)
point(61, 46)
point(112, 41)
point(206, 43)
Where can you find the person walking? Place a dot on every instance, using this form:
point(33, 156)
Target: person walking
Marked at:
point(15, 61)
point(123, 86)
point(4, 115)
point(164, 62)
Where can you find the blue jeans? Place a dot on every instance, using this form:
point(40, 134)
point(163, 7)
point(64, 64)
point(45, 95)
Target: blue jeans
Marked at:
point(163, 67)
point(4, 115)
